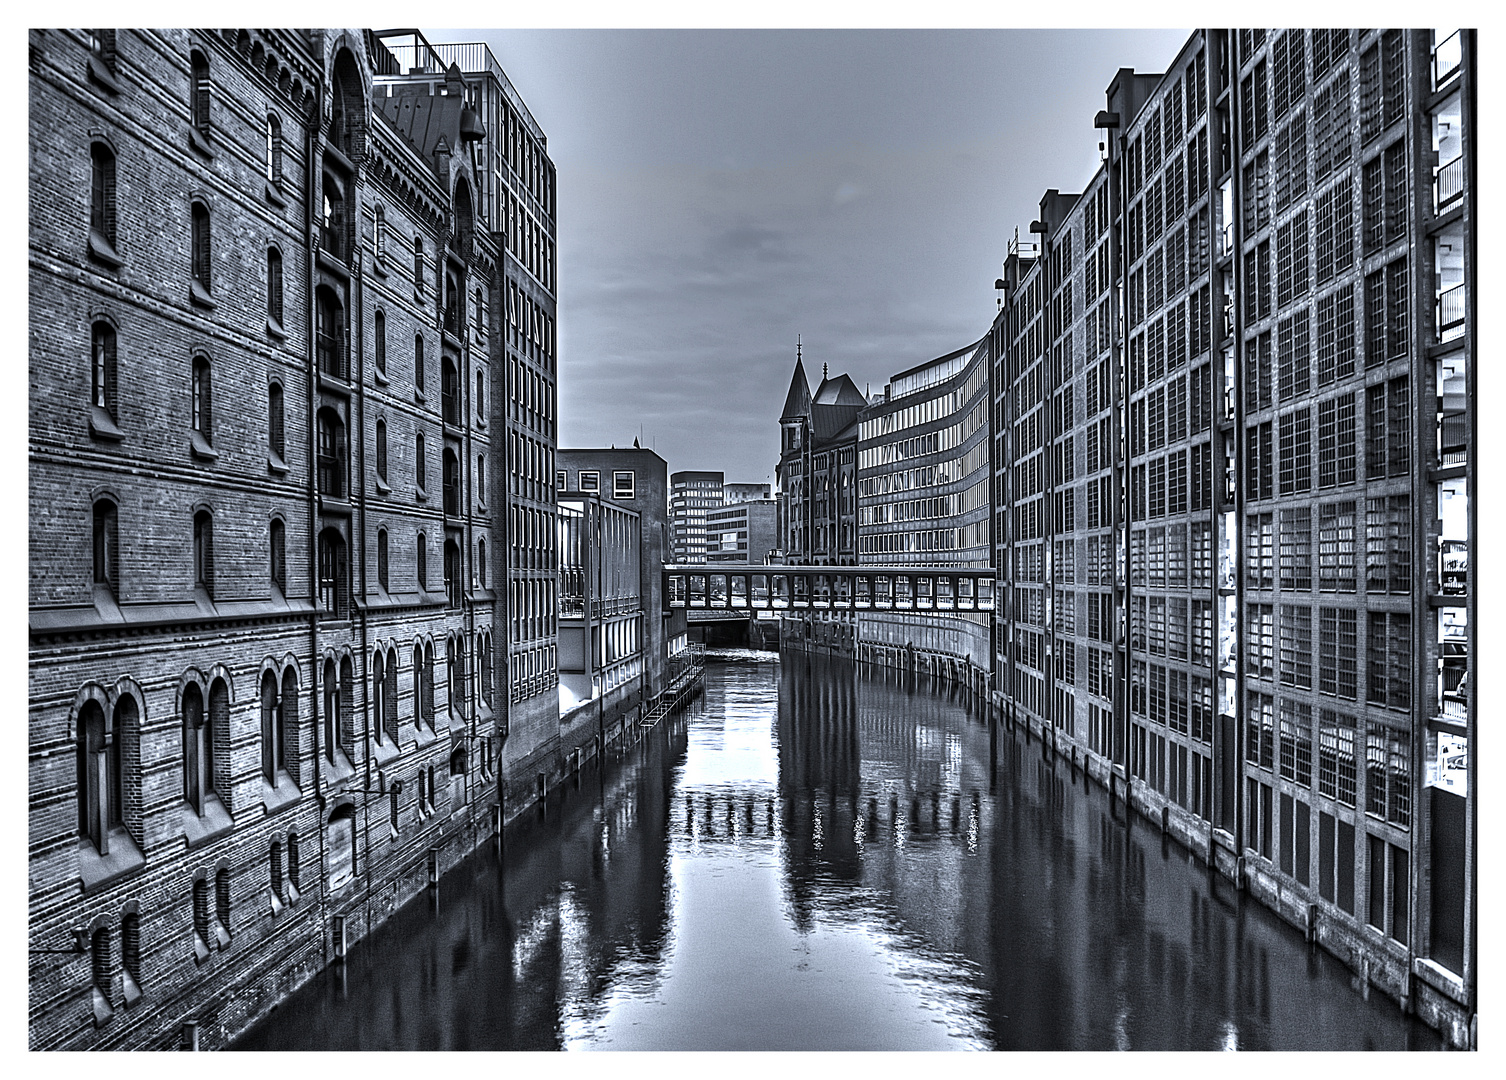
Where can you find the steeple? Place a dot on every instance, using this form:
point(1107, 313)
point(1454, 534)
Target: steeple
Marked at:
point(797, 402)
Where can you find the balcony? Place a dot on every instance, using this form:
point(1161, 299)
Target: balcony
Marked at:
point(1453, 567)
point(1453, 439)
point(1450, 312)
point(1447, 56)
point(332, 357)
point(1448, 185)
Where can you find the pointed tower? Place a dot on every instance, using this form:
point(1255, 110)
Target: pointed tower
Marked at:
point(797, 402)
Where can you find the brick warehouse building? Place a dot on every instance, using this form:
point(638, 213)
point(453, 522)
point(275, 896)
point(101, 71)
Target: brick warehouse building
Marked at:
point(302, 294)
point(1235, 482)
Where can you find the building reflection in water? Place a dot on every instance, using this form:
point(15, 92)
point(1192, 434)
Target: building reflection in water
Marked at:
point(824, 857)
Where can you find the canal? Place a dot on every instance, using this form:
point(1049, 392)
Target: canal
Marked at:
point(814, 858)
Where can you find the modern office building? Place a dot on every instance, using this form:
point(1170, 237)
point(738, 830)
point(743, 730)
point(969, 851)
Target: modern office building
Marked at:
point(742, 532)
point(924, 482)
point(691, 495)
point(1235, 475)
point(288, 314)
point(734, 493)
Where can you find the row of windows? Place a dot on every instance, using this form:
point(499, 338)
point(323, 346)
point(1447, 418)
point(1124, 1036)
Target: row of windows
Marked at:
point(333, 575)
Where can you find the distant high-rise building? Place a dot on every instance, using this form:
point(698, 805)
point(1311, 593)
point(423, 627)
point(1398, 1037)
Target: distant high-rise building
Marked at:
point(691, 495)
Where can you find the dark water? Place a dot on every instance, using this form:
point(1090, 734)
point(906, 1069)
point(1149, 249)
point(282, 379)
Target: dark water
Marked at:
point(813, 859)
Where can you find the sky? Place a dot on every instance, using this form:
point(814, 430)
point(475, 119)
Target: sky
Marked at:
point(720, 192)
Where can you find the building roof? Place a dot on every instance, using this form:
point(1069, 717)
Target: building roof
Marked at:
point(426, 120)
point(839, 391)
point(797, 401)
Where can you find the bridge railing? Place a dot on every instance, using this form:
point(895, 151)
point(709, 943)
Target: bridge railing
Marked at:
point(803, 588)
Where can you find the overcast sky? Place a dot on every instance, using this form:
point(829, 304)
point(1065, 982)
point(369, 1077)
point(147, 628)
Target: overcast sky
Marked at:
point(720, 192)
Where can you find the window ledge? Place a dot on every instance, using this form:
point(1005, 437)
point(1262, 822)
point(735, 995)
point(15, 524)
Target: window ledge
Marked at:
point(418, 395)
point(384, 749)
point(274, 328)
point(102, 427)
point(129, 987)
point(96, 870)
point(200, 295)
point(101, 250)
point(215, 821)
point(277, 903)
point(200, 947)
point(339, 767)
point(103, 75)
point(276, 464)
point(378, 267)
point(282, 796)
point(200, 142)
point(274, 196)
point(382, 487)
point(102, 1011)
point(423, 736)
point(420, 494)
point(379, 376)
point(200, 448)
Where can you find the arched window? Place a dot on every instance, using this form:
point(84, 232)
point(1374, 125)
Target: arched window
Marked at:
point(481, 561)
point(451, 483)
point(102, 196)
point(203, 552)
point(331, 710)
point(453, 298)
point(294, 874)
point(199, 106)
point(452, 673)
point(274, 150)
point(130, 954)
point(100, 777)
point(222, 903)
point(274, 286)
point(275, 436)
point(379, 233)
point(379, 336)
point(480, 312)
point(106, 546)
point(103, 371)
point(452, 573)
point(382, 558)
point(418, 462)
point(201, 251)
point(102, 968)
point(381, 449)
point(347, 706)
point(201, 932)
point(457, 761)
point(480, 396)
point(378, 702)
point(288, 704)
point(332, 464)
point(198, 750)
point(203, 401)
point(485, 661)
point(418, 267)
point(330, 334)
point(428, 701)
point(333, 575)
point(275, 861)
point(389, 694)
point(421, 551)
point(418, 362)
point(277, 546)
point(449, 391)
point(272, 742)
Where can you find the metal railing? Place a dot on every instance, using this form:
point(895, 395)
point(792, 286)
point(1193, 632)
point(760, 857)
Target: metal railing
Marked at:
point(1453, 439)
point(331, 355)
point(1448, 184)
point(1447, 56)
point(1450, 308)
point(331, 476)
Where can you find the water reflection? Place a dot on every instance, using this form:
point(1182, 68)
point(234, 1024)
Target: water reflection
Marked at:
point(819, 859)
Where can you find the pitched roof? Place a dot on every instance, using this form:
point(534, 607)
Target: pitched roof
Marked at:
point(797, 401)
point(840, 391)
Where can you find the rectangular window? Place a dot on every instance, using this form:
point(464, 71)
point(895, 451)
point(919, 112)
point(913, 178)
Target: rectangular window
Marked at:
point(1296, 646)
point(1335, 232)
point(1336, 768)
point(622, 484)
point(1291, 261)
point(590, 480)
point(1294, 365)
point(1388, 647)
point(1336, 525)
point(1336, 336)
point(1296, 742)
point(1296, 549)
point(1337, 652)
